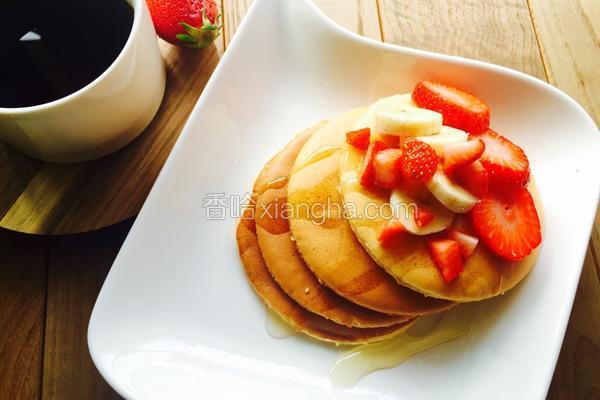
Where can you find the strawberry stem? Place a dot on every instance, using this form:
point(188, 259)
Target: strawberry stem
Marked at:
point(200, 37)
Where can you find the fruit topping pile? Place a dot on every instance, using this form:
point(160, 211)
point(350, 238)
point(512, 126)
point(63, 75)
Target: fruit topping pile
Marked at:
point(440, 159)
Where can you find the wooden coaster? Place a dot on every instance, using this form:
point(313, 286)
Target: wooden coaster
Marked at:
point(46, 198)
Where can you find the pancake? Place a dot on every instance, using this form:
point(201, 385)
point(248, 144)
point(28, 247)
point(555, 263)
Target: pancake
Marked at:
point(408, 260)
point(328, 245)
point(299, 318)
point(281, 255)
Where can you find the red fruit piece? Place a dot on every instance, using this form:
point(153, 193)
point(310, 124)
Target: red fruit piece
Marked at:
point(508, 225)
point(359, 139)
point(419, 161)
point(422, 215)
point(447, 257)
point(506, 163)
point(474, 178)
point(392, 229)
point(467, 243)
point(459, 109)
point(462, 223)
point(192, 23)
point(458, 155)
point(367, 176)
point(390, 140)
point(387, 168)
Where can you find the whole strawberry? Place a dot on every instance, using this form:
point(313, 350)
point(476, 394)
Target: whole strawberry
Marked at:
point(192, 23)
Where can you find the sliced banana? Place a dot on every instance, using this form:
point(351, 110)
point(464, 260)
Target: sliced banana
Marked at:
point(447, 135)
point(404, 207)
point(450, 194)
point(390, 104)
point(408, 121)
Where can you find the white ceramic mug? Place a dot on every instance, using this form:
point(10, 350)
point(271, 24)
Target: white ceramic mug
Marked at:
point(104, 115)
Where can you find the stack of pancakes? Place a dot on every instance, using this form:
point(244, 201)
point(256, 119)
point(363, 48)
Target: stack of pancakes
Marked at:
point(322, 270)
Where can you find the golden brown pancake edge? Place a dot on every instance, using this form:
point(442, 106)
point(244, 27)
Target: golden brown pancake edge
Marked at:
point(297, 317)
point(281, 255)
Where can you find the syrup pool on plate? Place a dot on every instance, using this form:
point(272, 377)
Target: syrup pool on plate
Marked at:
point(426, 333)
point(276, 327)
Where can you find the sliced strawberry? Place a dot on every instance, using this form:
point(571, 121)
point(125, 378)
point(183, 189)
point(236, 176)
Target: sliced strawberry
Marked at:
point(367, 177)
point(391, 140)
point(387, 168)
point(506, 163)
point(474, 178)
point(422, 215)
point(419, 160)
point(466, 242)
point(459, 109)
point(462, 223)
point(447, 257)
point(392, 230)
point(359, 139)
point(508, 225)
point(458, 155)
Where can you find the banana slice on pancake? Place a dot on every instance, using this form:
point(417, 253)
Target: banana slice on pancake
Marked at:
point(446, 136)
point(451, 195)
point(404, 207)
point(408, 121)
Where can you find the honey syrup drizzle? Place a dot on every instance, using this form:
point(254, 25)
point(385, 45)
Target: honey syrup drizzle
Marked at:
point(271, 216)
point(277, 183)
point(358, 362)
point(318, 155)
point(276, 327)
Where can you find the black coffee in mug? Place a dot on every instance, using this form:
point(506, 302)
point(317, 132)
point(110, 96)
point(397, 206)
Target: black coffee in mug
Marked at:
point(52, 48)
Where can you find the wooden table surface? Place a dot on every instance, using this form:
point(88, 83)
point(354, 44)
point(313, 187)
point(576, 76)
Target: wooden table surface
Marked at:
point(48, 285)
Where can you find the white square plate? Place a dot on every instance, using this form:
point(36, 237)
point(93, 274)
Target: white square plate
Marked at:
point(176, 317)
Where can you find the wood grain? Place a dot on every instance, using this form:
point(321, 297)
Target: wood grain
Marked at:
point(577, 374)
point(499, 31)
point(359, 16)
point(233, 12)
point(77, 267)
point(569, 34)
point(22, 313)
point(47, 198)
